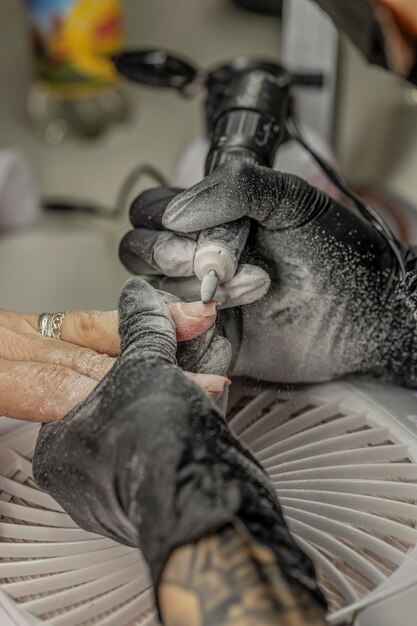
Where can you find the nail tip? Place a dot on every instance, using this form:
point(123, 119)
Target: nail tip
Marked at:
point(197, 310)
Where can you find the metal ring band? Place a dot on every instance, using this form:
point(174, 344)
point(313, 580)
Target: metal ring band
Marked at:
point(50, 325)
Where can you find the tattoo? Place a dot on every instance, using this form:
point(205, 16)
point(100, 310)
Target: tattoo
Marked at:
point(226, 580)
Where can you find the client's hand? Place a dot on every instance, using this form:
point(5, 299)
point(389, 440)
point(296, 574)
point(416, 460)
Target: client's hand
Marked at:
point(42, 379)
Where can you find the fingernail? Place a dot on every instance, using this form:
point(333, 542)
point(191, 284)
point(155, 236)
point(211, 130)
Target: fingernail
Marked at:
point(215, 388)
point(211, 383)
point(197, 310)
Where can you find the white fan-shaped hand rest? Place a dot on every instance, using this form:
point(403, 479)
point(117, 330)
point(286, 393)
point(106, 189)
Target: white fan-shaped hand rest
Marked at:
point(343, 459)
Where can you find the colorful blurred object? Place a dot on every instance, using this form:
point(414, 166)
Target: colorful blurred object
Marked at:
point(74, 39)
point(76, 89)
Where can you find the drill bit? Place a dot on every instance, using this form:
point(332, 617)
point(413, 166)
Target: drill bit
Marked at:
point(209, 286)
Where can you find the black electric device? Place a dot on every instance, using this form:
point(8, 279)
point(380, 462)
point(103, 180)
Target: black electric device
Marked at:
point(248, 103)
point(247, 126)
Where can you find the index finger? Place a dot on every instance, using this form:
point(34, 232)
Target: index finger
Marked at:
point(99, 331)
point(233, 191)
point(40, 392)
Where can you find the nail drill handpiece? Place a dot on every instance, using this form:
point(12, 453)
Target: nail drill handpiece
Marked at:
point(209, 286)
point(249, 127)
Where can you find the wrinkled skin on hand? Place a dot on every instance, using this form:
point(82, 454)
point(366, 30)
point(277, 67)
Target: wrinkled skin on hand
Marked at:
point(42, 379)
point(148, 460)
point(329, 307)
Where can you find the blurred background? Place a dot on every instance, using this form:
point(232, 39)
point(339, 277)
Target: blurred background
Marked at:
point(80, 155)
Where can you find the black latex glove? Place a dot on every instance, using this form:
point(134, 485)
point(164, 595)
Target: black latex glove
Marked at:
point(332, 308)
point(148, 460)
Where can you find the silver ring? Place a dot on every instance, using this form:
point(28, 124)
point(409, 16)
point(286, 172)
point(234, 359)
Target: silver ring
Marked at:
point(50, 324)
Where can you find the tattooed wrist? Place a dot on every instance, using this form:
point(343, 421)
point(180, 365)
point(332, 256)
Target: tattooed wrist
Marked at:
point(226, 580)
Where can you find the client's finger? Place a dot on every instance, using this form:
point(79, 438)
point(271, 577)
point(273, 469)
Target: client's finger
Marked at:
point(98, 330)
point(146, 321)
point(192, 319)
point(40, 392)
point(95, 330)
point(33, 348)
point(82, 360)
point(212, 384)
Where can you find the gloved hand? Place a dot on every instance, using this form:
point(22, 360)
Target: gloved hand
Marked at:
point(332, 307)
point(148, 460)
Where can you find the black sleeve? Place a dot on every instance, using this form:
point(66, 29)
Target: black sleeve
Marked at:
point(356, 18)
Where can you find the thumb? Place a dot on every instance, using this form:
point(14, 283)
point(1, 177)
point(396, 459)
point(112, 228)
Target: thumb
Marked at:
point(145, 324)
